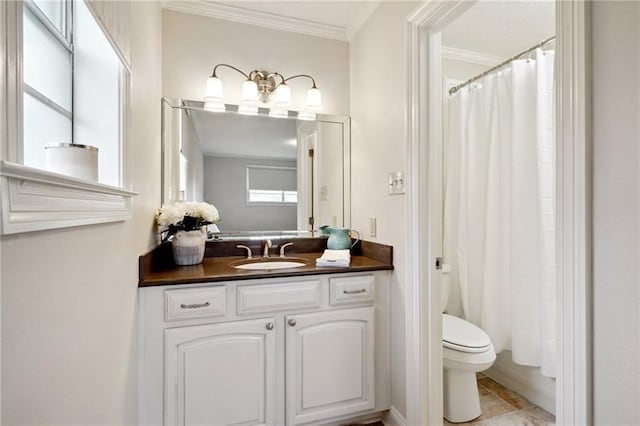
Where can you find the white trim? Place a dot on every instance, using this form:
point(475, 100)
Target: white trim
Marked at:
point(526, 381)
point(471, 57)
point(574, 304)
point(35, 200)
point(573, 162)
point(110, 35)
point(423, 310)
point(253, 17)
point(394, 418)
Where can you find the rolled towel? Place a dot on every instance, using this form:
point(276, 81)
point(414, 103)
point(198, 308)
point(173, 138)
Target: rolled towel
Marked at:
point(336, 258)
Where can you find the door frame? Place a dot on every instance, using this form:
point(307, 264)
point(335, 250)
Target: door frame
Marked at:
point(424, 200)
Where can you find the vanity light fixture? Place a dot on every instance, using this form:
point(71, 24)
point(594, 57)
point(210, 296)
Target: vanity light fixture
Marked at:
point(265, 88)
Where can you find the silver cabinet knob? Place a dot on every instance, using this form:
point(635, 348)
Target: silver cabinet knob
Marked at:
point(292, 322)
point(269, 326)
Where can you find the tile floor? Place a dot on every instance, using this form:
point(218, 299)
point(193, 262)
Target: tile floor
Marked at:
point(502, 407)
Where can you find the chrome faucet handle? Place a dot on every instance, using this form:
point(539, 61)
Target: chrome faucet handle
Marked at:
point(267, 246)
point(284, 246)
point(247, 248)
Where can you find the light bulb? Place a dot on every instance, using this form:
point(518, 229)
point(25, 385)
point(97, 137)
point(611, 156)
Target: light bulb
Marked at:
point(214, 104)
point(214, 88)
point(283, 95)
point(248, 108)
point(314, 99)
point(249, 91)
point(306, 115)
point(278, 112)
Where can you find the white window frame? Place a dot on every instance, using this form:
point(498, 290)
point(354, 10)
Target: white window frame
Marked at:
point(267, 203)
point(34, 199)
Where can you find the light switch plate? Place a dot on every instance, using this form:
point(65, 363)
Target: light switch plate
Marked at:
point(396, 183)
point(323, 193)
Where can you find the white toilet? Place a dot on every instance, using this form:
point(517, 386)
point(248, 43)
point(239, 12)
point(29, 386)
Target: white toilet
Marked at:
point(466, 350)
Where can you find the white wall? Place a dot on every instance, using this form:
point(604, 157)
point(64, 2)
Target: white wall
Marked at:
point(225, 186)
point(69, 296)
point(460, 70)
point(193, 45)
point(378, 147)
point(616, 205)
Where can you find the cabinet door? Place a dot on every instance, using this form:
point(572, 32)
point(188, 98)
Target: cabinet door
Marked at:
point(221, 374)
point(329, 364)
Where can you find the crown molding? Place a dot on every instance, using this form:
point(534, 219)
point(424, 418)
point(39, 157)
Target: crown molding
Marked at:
point(252, 17)
point(363, 16)
point(471, 57)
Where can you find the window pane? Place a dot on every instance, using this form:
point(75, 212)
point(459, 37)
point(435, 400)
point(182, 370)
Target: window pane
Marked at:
point(54, 11)
point(42, 126)
point(258, 196)
point(97, 100)
point(290, 196)
point(47, 63)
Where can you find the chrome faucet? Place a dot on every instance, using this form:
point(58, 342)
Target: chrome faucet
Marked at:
point(267, 246)
point(247, 248)
point(284, 246)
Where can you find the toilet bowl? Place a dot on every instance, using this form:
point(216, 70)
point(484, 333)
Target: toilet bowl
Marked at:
point(466, 350)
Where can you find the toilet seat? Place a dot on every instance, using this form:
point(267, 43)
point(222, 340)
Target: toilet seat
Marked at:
point(463, 336)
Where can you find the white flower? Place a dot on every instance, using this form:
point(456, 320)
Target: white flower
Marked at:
point(170, 215)
point(174, 214)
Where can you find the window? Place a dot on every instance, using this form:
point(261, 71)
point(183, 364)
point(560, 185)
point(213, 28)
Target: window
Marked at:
point(271, 184)
point(65, 73)
point(72, 86)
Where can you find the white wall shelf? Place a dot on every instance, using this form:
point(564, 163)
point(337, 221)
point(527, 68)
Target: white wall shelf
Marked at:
point(36, 200)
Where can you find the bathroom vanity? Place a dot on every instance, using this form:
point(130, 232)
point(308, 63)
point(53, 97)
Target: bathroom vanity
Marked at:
point(221, 345)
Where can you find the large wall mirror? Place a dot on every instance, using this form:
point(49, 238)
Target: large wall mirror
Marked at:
point(264, 174)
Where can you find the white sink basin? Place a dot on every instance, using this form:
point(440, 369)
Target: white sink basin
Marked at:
point(269, 264)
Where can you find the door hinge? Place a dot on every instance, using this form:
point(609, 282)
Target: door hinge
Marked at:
point(311, 153)
point(438, 263)
point(311, 221)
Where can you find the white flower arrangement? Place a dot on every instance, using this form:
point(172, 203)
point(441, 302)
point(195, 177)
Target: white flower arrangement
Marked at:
point(186, 216)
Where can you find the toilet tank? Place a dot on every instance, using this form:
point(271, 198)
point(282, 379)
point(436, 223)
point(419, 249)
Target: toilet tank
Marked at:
point(444, 282)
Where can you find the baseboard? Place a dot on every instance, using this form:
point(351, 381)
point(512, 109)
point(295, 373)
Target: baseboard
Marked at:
point(527, 381)
point(394, 418)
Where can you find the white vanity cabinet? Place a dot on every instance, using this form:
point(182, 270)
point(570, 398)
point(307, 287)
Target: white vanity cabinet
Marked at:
point(330, 364)
point(222, 374)
point(274, 351)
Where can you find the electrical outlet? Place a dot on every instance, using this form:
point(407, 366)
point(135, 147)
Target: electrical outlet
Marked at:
point(396, 183)
point(372, 227)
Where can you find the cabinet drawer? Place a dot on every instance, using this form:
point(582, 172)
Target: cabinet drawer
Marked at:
point(195, 303)
point(347, 290)
point(278, 297)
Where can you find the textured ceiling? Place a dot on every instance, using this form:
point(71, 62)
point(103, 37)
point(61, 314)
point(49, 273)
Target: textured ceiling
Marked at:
point(501, 28)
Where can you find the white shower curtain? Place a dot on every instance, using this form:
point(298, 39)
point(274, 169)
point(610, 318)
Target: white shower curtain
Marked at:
point(499, 231)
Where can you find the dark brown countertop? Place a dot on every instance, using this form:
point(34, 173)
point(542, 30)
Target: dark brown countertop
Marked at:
point(157, 267)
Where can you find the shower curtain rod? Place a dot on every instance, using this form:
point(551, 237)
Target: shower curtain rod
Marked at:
point(454, 89)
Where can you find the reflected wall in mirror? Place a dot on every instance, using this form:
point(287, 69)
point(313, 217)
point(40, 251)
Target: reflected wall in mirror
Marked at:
point(262, 173)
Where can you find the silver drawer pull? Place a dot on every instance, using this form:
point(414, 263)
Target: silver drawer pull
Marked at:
point(195, 305)
point(362, 290)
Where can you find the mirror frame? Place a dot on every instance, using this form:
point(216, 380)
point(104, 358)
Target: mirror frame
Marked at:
point(343, 120)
